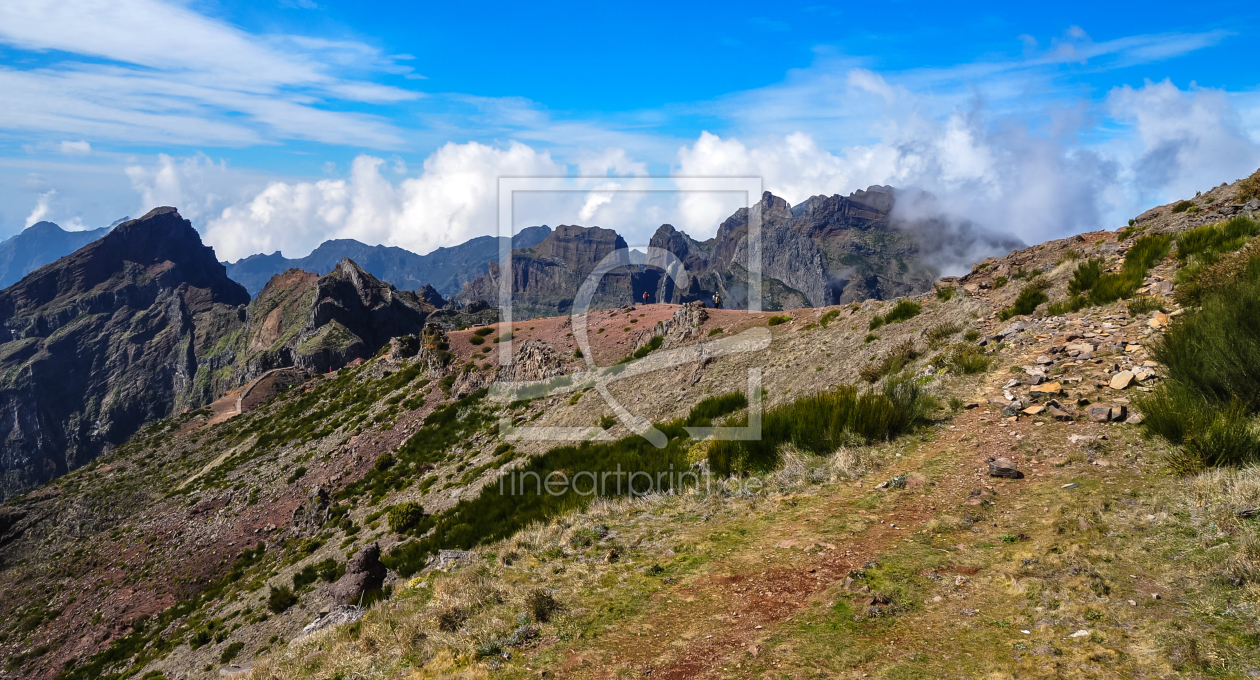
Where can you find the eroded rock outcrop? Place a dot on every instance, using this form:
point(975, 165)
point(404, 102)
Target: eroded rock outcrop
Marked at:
point(321, 323)
point(364, 573)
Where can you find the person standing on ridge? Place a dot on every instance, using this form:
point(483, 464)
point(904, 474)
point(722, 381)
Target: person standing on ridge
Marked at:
point(717, 301)
point(645, 297)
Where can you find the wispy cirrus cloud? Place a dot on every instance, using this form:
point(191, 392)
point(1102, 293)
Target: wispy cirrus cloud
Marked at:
point(151, 72)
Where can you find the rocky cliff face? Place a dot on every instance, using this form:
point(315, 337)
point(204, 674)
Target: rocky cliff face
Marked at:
point(321, 323)
point(826, 250)
point(122, 332)
point(546, 278)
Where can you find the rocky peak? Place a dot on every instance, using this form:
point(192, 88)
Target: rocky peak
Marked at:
point(322, 323)
point(579, 246)
point(105, 339)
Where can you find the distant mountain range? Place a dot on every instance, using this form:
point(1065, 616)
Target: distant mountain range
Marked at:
point(446, 269)
point(40, 244)
point(826, 250)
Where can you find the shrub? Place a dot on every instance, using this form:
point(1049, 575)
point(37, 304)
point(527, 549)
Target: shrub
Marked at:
point(940, 332)
point(717, 406)
point(494, 514)
point(1086, 275)
point(504, 338)
point(821, 423)
point(296, 475)
point(383, 462)
point(876, 323)
point(606, 422)
point(827, 318)
point(483, 331)
point(1208, 243)
point(1145, 304)
point(896, 359)
point(1105, 288)
point(1027, 302)
point(971, 335)
point(280, 599)
point(541, 605)
point(1202, 248)
point(1212, 393)
point(477, 340)
point(778, 319)
point(404, 517)
point(1192, 286)
point(903, 311)
point(230, 652)
point(870, 337)
point(945, 293)
point(999, 282)
point(653, 345)
point(1249, 188)
point(1182, 206)
point(963, 359)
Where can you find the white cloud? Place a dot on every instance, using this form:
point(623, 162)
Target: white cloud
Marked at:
point(452, 200)
point(197, 185)
point(196, 80)
point(1187, 140)
point(79, 148)
point(41, 207)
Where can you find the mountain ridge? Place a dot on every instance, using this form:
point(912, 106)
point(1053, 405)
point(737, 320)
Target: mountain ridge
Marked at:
point(39, 244)
point(447, 269)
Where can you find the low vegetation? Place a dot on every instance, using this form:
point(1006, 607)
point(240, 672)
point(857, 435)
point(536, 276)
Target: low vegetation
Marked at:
point(1092, 286)
point(904, 310)
point(1249, 188)
point(896, 359)
point(1208, 403)
point(821, 423)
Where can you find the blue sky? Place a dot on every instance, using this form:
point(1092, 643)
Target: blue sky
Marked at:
point(275, 125)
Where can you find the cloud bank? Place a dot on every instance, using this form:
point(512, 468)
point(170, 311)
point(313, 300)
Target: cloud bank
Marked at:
point(996, 171)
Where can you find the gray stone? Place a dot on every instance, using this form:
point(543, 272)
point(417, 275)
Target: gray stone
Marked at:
point(1004, 467)
point(1017, 327)
point(333, 616)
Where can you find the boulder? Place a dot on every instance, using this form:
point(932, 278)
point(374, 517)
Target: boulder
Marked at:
point(1122, 380)
point(1004, 467)
point(1058, 413)
point(1017, 327)
point(364, 573)
point(1099, 413)
point(1051, 388)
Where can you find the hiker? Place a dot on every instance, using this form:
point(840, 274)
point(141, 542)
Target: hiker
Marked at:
point(645, 297)
point(717, 301)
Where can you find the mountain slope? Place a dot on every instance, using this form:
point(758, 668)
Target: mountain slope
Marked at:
point(39, 244)
point(321, 323)
point(446, 269)
point(203, 542)
point(101, 341)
